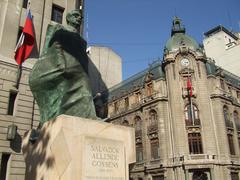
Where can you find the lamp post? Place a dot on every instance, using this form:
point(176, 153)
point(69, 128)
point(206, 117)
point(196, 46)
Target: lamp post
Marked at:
point(11, 132)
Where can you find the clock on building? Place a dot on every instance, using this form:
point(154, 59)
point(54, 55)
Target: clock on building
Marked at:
point(185, 62)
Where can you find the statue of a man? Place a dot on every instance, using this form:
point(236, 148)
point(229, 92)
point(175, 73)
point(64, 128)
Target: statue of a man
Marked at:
point(59, 80)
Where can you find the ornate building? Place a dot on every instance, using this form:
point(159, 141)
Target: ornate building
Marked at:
point(185, 111)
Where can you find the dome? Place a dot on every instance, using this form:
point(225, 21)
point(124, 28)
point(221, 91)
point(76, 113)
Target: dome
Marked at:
point(179, 38)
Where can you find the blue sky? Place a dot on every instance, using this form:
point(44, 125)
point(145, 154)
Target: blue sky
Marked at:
point(137, 30)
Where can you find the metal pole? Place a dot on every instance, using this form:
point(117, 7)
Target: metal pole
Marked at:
point(41, 29)
point(191, 106)
point(19, 74)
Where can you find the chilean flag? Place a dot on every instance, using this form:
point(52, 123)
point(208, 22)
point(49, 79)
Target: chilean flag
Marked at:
point(189, 87)
point(26, 41)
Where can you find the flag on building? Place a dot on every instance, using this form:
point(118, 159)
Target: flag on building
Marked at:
point(26, 41)
point(189, 87)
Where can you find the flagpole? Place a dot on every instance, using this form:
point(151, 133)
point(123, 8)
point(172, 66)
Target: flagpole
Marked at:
point(190, 98)
point(19, 75)
point(191, 106)
point(19, 70)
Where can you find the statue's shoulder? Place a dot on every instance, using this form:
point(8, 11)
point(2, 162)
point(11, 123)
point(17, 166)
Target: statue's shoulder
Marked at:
point(51, 30)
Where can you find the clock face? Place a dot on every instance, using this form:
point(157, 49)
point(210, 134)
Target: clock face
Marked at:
point(185, 62)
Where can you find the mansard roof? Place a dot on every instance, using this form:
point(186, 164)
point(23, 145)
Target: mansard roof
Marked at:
point(136, 81)
point(213, 69)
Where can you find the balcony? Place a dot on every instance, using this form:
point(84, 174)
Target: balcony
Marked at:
point(229, 124)
point(138, 133)
point(152, 128)
point(197, 122)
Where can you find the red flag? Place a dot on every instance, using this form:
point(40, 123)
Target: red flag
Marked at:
point(189, 87)
point(26, 41)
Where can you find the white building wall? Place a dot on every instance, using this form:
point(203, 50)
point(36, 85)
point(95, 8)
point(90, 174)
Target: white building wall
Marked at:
point(217, 48)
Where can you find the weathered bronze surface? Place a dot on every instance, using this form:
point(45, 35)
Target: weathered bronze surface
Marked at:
point(59, 80)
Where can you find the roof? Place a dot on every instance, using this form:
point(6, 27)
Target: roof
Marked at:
point(212, 69)
point(136, 81)
point(179, 38)
point(218, 29)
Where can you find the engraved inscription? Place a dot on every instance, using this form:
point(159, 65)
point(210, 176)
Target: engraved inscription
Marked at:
point(104, 159)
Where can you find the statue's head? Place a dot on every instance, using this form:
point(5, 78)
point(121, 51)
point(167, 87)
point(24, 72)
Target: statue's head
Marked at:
point(74, 18)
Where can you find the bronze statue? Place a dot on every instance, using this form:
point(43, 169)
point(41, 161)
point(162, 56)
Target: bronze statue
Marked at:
point(59, 79)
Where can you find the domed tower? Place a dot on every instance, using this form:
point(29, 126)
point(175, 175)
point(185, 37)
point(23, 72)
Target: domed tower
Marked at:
point(190, 123)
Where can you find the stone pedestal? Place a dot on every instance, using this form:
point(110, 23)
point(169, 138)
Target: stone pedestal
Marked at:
point(70, 148)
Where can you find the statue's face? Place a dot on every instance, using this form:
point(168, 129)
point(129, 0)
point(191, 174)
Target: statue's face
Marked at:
point(75, 19)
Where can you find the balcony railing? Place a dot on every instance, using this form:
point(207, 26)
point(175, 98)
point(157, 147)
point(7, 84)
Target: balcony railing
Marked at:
point(138, 133)
point(229, 124)
point(197, 122)
point(152, 128)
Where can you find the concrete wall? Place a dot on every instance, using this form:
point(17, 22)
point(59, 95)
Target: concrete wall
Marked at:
point(105, 68)
point(25, 116)
point(12, 16)
point(226, 57)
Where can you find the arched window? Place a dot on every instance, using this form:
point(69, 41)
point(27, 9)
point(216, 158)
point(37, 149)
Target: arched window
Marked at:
point(235, 117)
point(191, 115)
point(138, 123)
point(226, 113)
point(226, 116)
point(153, 117)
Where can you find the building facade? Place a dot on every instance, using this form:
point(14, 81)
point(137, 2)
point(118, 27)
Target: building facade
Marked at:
point(185, 111)
point(18, 110)
point(220, 39)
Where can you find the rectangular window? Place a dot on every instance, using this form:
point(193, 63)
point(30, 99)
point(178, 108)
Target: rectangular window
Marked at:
point(199, 70)
point(11, 102)
point(238, 94)
point(195, 143)
point(155, 149)
point(149, 89)
point(126, 101)
point(234, 176)
point(25, 4)
point(222, 84)
point(139, 153)
point(239, 141)
point(116, 107)
point(138, 97)
point(231, 144)
point(57, 13)
point(4, 166)
point(230, 90)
